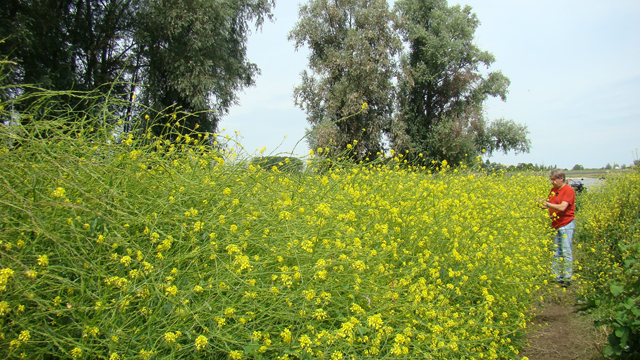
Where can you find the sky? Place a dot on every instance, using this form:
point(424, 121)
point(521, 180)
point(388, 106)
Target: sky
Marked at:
point(574, 68)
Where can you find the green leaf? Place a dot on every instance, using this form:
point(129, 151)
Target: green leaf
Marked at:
point(616, 289)
point(251, 348)
point(168, 308)
point(630, 262)
point(614, 341)
point(608, 352)
point(622, 333)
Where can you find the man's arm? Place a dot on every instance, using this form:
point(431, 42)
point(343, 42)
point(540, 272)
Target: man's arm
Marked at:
point(558, 207)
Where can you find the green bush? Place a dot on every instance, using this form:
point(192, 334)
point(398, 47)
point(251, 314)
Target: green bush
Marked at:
point(609, 249)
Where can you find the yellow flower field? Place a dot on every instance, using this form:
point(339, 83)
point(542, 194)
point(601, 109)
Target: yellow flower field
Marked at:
point(154, 249)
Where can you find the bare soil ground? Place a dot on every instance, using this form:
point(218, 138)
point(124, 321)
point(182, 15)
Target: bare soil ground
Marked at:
point(560, 332)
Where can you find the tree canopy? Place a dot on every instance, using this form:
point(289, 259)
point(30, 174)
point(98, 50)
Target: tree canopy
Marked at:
point(438, 87)
point(352, 47)
point(442, 86)
point(183, 54)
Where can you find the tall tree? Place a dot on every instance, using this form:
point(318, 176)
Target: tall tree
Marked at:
point(442, 88)
point(101, 40)
point(35, 35)
point(187, 54)
point(194, 54)
point(67, 44)
point(352, 47)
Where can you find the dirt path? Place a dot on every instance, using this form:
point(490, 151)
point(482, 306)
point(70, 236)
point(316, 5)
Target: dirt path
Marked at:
point(559, 332)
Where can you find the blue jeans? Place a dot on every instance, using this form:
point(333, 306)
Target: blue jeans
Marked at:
point(563, 261)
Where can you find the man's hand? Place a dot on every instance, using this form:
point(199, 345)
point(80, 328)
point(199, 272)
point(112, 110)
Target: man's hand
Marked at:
point(543, 202)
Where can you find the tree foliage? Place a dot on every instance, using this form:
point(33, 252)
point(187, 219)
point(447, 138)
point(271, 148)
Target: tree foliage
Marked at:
point(187, 54)
point(352, 47)
point(439, 85)
point(442, 87)
point(34, 34)
point(194, 53)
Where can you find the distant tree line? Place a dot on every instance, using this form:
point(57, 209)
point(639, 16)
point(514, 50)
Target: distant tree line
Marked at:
point(618, 166)
point(496, 166)
point(609, 166)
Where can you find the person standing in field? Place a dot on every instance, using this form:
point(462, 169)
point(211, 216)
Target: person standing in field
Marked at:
point(561, 203)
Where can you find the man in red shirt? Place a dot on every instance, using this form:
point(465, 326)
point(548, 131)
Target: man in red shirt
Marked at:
point(562, 204)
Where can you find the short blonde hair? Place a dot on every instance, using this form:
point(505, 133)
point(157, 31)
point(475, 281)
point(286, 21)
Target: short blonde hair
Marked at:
point(557, 174)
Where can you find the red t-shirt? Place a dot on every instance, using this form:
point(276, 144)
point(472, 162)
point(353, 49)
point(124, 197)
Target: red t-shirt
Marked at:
point(557, 196)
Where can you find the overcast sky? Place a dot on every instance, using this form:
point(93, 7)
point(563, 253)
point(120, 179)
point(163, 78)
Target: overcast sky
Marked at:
point(574, 68)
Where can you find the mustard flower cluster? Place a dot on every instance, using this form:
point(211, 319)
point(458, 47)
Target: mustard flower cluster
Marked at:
point(170, 248)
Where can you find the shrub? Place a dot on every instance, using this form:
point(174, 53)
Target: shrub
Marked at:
point(609, 249)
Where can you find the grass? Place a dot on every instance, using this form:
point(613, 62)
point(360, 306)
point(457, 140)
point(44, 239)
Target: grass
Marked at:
point(594, 173)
